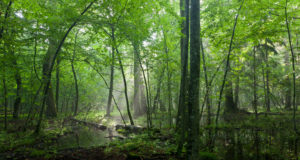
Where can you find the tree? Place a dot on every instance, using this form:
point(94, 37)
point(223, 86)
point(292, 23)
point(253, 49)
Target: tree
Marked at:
point(184, 48)
point(193, 101)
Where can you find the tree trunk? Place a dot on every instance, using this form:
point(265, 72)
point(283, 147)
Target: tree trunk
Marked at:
point(124, 81)
point(229, 101)
point(184, 51)
point(111, 83)
point(143, 98)
point(57, 81)
point(267, 80)
point(294, 74)
point(5, 93)
point(51, 107)
point(193, 101)
point(139, 101)
point(227, 63)
point(19, 84)
point(169, 97)
point(157, 96)
point(207, 96)
point(51, 110)
point(265, 90)
point(287, 85)
point(254, 83)
point(125, 88)
point(168, 80)
point(137, 81)
point(75, 77)
point(237, 90)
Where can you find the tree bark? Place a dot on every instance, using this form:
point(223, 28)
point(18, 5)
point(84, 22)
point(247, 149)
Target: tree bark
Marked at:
point(5, 93)
point(125, 88)
point(237, 90)
point(168, 80)
point(267, 80)
point(181, 119)
point(230, 106)
point(75, 77)
point(287, 84)
point(57, 82)
point(111, 83)
point(148, 110)
point(294, 72)
point(51, 107)
point(157, 96)
point(193, 101)
point(19, 84)
point(254, 83)
point(137, 80)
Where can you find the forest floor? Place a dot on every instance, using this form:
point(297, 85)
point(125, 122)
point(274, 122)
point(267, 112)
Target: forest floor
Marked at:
point(63, 138)
point(243, 137)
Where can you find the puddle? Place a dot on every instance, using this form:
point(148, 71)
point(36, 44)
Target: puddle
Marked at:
point(82, 137)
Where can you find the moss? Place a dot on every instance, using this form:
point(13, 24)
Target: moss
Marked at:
point(207, 156)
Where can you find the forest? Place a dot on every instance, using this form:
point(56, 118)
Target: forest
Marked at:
point(149, 79)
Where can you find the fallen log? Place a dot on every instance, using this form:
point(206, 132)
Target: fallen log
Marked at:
point(130, 128)
point(91, 124)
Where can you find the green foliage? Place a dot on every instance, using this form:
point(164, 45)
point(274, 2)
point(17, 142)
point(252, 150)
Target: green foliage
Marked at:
point(143, 146)
point(207, 156)
point(30, 26)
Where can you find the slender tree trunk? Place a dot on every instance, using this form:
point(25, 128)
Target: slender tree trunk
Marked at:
point(227, 63)
point(193, 101)
point(5, 94)
point(236, 91)
point(207, 84)
point(137, 81)
point(149, 97)
point(207, 96)
point(169, 80)
point(287, 85)
point(125, 88)
point(157, 96)
point(254, 83)
point(256, 141)
point(111, 83)
point(267, 80)
point(124, 81)
point(19, 84)
point(294, 72)
point(265, 90)
point(169, 97)
point(149, 122)
point(75, 77)
point(57, 81)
